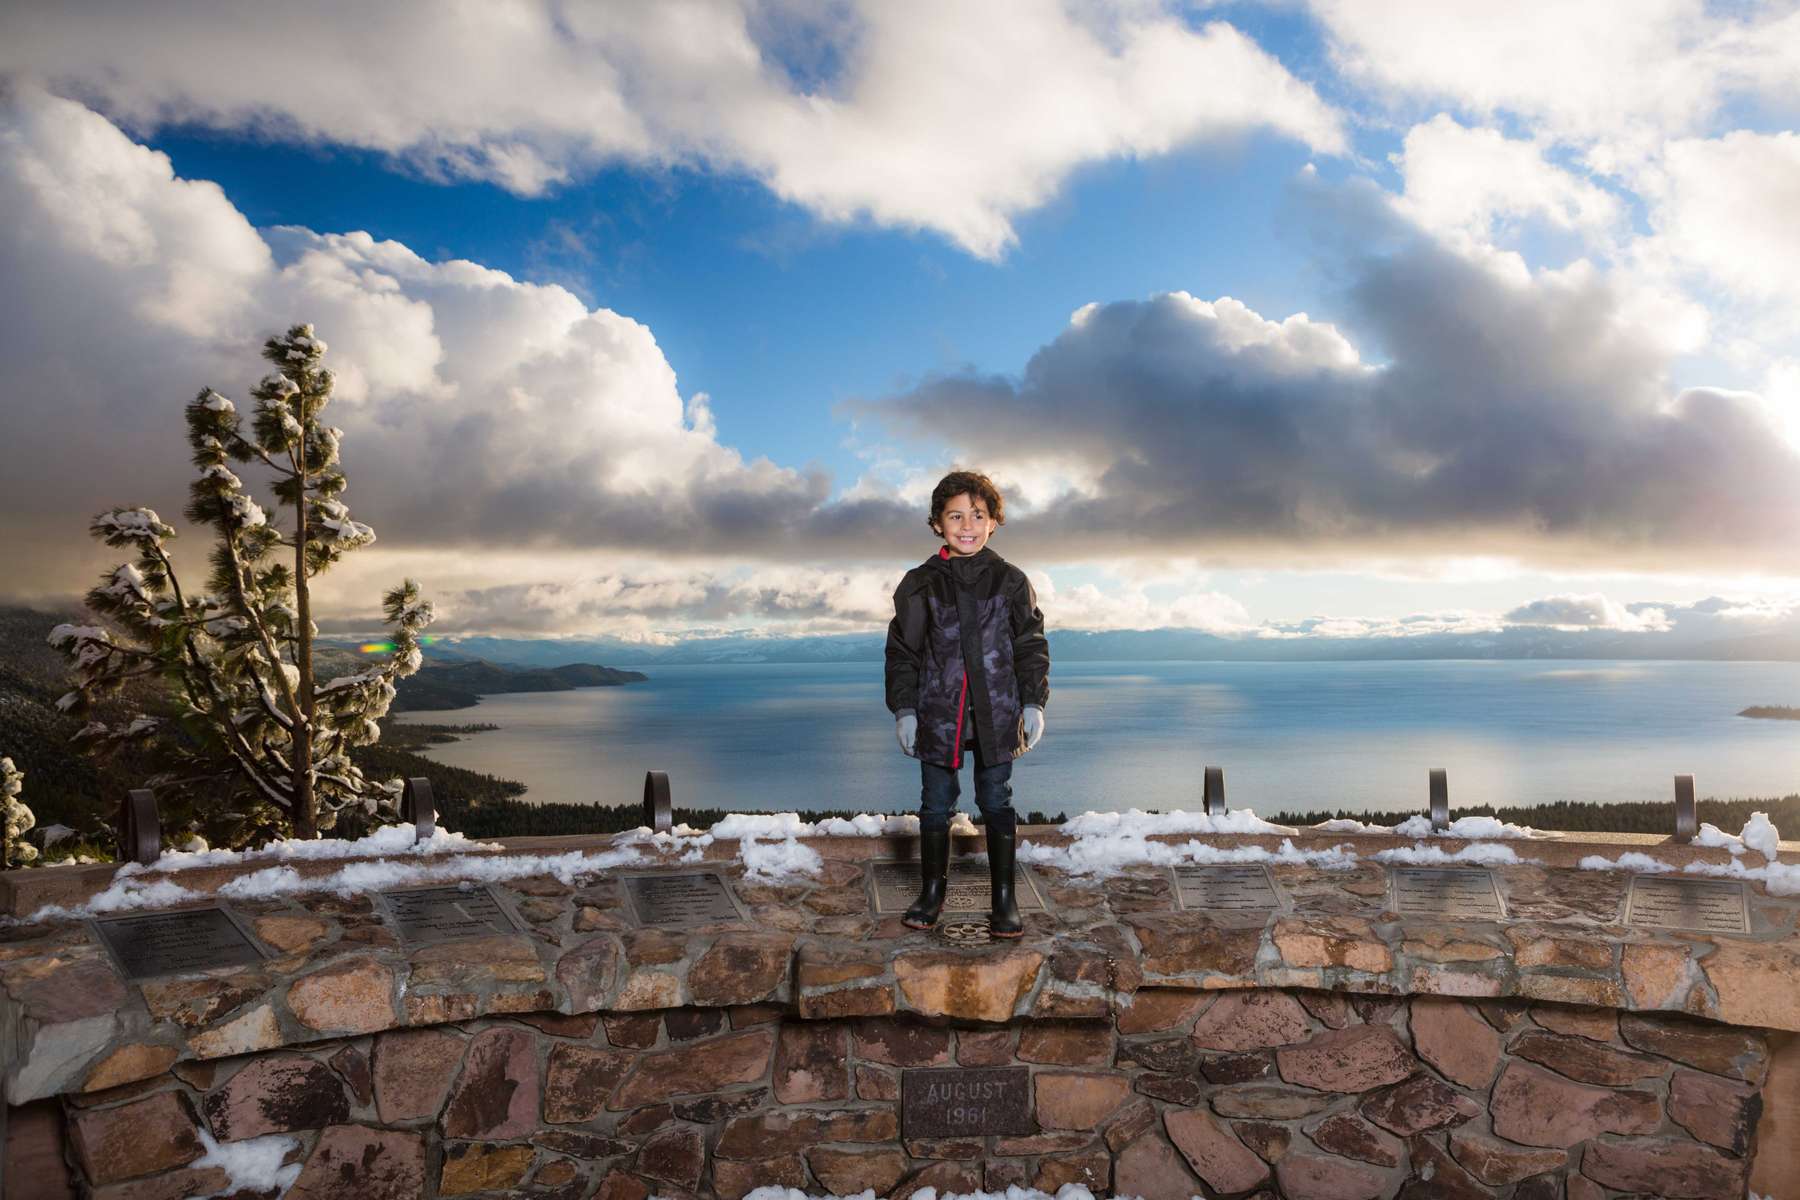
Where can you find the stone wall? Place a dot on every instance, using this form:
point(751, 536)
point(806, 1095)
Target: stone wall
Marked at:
point(1302, 1094)
point(1334, 1047)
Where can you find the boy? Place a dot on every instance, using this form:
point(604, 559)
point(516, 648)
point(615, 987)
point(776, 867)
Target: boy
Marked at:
point(968, 669)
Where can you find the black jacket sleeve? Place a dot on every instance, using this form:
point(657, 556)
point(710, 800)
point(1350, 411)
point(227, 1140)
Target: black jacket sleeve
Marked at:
point(1031, 649)
point(906, 645)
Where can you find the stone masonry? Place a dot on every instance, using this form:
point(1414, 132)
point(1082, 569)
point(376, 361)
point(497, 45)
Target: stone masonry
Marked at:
point(1330, 1050)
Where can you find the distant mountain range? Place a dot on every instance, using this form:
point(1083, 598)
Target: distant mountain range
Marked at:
point(461, 684)
point(1153, 645)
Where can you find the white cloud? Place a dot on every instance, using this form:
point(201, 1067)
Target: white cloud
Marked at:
point(1468, 180)
point(479, 410)
point(1589, 611)
point(937, 115)
point(1725, 209)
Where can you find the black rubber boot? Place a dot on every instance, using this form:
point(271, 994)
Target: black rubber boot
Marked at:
point(934, 869)
point(1002, 839)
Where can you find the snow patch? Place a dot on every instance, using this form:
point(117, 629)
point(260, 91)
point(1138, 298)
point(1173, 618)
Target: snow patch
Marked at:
point(1105, 856)
point(1482, 854)
point(1068, 1191)
point(252, 1165)
point(1138, 823)
point(1419, 826)
point(389, 841)
point(1759, 834)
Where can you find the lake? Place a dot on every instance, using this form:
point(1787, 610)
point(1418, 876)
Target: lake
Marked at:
point(1120, 735)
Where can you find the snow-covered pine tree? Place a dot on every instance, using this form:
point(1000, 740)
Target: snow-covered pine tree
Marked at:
point(249, 715)
point(15, 819)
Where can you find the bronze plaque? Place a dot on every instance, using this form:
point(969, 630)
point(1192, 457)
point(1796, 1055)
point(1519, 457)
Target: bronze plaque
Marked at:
point(967, 890)
point(1707, 905)
point(965, 1102)
point(1225, 886)
point(683, 898)
point(175, 943)
point(446, 914)
point(1457, 893)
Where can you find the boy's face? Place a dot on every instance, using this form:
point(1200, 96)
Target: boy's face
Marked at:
point(965, 524)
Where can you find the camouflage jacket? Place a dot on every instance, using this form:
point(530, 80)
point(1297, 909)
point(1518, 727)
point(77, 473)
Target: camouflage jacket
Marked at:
point(979, 611)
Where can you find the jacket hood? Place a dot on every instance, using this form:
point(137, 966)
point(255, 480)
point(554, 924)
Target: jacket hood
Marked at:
point(964, 566)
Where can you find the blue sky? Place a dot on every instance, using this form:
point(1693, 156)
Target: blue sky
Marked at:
point(770, 267)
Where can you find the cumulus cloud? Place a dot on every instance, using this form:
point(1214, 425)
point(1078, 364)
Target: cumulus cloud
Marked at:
point(1503, 412)
point(1470, 180)
point(1624, 72)
point(1723, 207)
point(478, 409)
point(942, 116)
point(1591, 611)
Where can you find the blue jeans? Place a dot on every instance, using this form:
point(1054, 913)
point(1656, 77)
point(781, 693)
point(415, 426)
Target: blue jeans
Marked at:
point(940, 787)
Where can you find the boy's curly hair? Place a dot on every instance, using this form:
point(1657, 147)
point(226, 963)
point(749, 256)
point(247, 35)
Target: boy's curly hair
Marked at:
point(972, 483)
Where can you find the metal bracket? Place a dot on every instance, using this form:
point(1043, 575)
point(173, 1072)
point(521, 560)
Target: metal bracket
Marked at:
point(1440, 799)
point(658, 814)
point(419, 807)
point(1212, 792)
point(1687, 816)
point(140, 828)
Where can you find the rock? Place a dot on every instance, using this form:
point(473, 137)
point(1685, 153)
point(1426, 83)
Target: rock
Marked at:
point(1092, 1171)
point(1239, 1068)
point(1435, 1175)
point(1448, 944)
point(281, 1093)
point(1069, 1043)
point(1588, 1061)
point(128, 1064)
point(984, 1047)
point(1499, 1163)
point(1270, 1102)
point(819, 966)
point(1677, 1170)
point(1719, 1049)
point(580, 1026)
point(1071, 1100)
point(902, 1043)
point(709, 1110)
point(734, 1180)
point(353, 996)
point(496, 1096)
point(875, 1000)
point(481, 1167)
point(255, 1030)
point(647, 1119)
point(589, 971)
point(676, 1156)
point(1754, 982)
point(370, 1164)
point(589, 1146)
point(1213, 1151)
point(1176, 1055)
point(699, 1067)
point(174, 1185)
point(947, 984)
point(1572, 989)
point(1352, 1137)
point(1715, 1110)
point(943, 1176)
point(1269, 1140)
point(1347, 1060)
point(742, 968)
point(873, 1083)
point(1328, 1008)
point(352, 1066)
point(1133, 1121)
point(579, 1079)
point(633, 1032)
point(1543, 1187)
point(619, 1186)
point(743, 1016)
point(1192, 945)
point(288, 934)
point(1150, 1168)
point(1312, 1177)
point(1540, 1108)
point(1176, 1089)
point(762, 1135)
point(812, 1062)
point(997, 1176)
point(1251, 1020)
point(645, 990)
point(687, 1024)
point(1452, 1037)
point(847, 1172)
point(1595, 1024)
point(1159, 1010)
point(1419, 1104)
point(1536, 946)
point(1332, 942)
point(1657, 976)
point(152, 1134)
point(413, 1070)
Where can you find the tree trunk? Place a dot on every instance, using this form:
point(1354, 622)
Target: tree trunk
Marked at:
point(305, 814)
